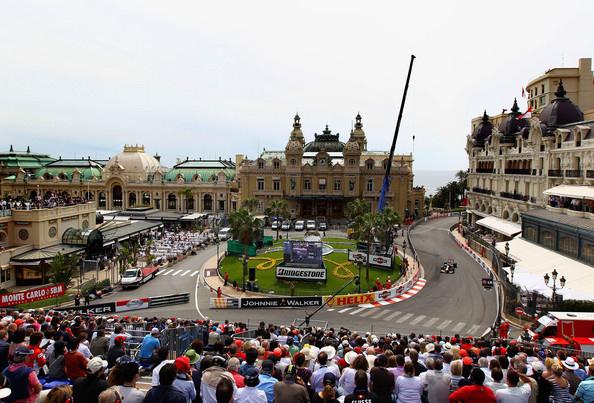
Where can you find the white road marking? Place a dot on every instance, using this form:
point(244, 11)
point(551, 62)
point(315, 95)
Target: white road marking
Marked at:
point(176, 273)
point(358, 310)
point(369, 312)
point(473, 330)
point(330, 309)
point(185, 272)
point(166, 272)
point(382, 313)
point(459, 326)
point(431, 322)
point(345, 309)
point(417, 319)
point(404, 318)
point(194, 273)
point(444, 324)
point(392, 315)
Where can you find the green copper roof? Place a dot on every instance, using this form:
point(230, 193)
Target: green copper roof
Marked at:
point(49, 173)
point(206, 175)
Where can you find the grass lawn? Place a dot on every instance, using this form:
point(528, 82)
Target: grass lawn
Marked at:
point(46, 302)
point(267, 280)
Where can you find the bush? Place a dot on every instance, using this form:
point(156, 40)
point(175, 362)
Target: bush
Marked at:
point(88, 287)
point(104, 283)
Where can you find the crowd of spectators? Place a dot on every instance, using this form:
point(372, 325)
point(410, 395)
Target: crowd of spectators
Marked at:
point(59, 357)
point(49, 200)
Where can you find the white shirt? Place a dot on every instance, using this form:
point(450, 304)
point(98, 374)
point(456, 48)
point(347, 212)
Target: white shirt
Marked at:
point(518, 394)
point(250, 394)
point(84, 350)
point(155, 377)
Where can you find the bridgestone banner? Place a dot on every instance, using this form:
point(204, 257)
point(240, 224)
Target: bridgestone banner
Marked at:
point(301, 273)
point(95, 309)
point(32, 295)
point(281, 302)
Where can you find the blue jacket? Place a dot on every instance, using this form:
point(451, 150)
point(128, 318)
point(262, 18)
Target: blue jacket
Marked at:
point(164, 394)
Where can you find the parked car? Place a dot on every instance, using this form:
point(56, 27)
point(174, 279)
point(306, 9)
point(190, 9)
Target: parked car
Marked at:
point(322, 226)
point(311, 225)
point(275, 225)
point(299, 225)
point(286, 225)
point(225, 233)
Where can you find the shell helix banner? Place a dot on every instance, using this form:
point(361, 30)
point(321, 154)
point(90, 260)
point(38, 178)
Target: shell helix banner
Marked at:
point(352, 299)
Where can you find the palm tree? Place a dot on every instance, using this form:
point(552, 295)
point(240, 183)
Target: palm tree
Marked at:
point(364, 231)
point(244, 227)
point(386, 220)
point(357, 208)
point(186, 192)
point(250, 204)
point(124, 254)
point(280, 210)
point(62, 268)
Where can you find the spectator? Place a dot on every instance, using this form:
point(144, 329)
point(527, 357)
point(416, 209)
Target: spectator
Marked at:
point(150, 344)
point(585, 391)
point(267, 380)
point(162, 360)
point(569, 373)
point(328, 393)
point(409, 387)
point(475, 393)
point(36, 360)
point(87, 389)
point(116, 351)
point(456, 377)
point(56, 368)
point(514, 393)
point(24, 384)
point(414, 358)
point(251, 355)
point(381, 380)
point(291, 389)
point(100, 344)
point(496, 383)
point(224, 391)
point(250, 393)
point(129, 373)
point(303, 372)
point(318, 375)
point(560, 393)
point(211, 377)
point(75, 364)
point(437, 383)
point(233, 368)
point(110, 395)
point(183, 380)
point(4, 346)
point(361, 394)
point(347, 380)
point(165, 392)
point(118, 330)
point(59, 394)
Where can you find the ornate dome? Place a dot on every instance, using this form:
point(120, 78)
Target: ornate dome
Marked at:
point(561, 111)
point(294, 146)
point(133, 161)
point(325, 142)
point(482, 131)
point(352, 146)
point(510, 126)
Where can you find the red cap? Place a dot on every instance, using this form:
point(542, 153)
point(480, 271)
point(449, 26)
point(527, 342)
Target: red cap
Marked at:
point(120, 339)
point(182, 364)
point(19, 322)
point(277, 352)
point(357, 350)
point(467, 361)
point(463, 353)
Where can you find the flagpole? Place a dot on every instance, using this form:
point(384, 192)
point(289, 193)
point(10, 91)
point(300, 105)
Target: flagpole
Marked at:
point(382, 199)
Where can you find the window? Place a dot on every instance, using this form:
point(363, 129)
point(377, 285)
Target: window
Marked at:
point(351, 185)
point(369, 164)
point(221, 205)
point(306, 184)
point(542, 88)
point(337, 185)
point(260, 164)
point(260, 184)
point(322, 184)
point(276, 184)
point(293, 162)
point(5, 275)
point(568, 245)
point(370, 185)
point(207, 202)
point(276, 164)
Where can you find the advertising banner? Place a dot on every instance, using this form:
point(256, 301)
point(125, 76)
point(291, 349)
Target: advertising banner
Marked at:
point(95, 309)
point(281, 302)
point(301, 273)
point(384, 262)
point(32, 295)
point(352, 299)
point(132, 304)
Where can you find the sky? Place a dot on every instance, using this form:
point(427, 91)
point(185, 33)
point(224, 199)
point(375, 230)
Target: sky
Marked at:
point(214, 79)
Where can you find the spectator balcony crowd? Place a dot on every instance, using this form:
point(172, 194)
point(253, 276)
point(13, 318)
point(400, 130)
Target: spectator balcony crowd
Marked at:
point(49, 200)
point(51, 356)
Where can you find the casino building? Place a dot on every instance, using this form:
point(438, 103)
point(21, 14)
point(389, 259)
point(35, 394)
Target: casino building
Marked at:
point(319, 177)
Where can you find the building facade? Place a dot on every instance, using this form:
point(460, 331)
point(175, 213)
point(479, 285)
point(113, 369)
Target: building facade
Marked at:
point(513, 159)
point(130, 179)
point(319, 178)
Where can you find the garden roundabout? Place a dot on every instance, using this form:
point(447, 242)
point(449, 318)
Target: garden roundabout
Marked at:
point(264, 271)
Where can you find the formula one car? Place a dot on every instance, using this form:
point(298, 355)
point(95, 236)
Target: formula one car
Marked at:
point(448, 267)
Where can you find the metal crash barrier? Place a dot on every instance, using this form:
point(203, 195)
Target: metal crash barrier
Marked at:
point(172, 299)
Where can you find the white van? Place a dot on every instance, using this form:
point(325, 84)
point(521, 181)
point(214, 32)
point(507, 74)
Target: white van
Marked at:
point(225, 233)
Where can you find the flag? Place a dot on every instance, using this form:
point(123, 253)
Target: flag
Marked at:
point(382, 199)
point(527, 114)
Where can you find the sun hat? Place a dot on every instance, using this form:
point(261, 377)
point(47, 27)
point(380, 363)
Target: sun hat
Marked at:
point(329, 350)
point(447, 346)
point(570, 363)
point(192, 356)
point(350, 357)
point(5, 392)
point(182, 364)
point(430, 348)
point(96, 364)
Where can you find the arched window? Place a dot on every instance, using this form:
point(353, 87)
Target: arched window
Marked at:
point(47, 176)
point(132, 200)
point(146, 199)
point(207, 202)
point(369, 164)
point(260, 164)
point(171, 201)
point(102, 200)
point(62, 176)
point(276, 164)
point(116, 192)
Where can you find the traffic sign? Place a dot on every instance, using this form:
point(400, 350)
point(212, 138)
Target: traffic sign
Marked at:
point(520, 311)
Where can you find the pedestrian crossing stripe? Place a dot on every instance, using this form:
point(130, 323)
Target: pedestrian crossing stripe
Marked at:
point(180, 273)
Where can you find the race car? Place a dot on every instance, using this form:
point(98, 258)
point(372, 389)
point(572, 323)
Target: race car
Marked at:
point(448, 267)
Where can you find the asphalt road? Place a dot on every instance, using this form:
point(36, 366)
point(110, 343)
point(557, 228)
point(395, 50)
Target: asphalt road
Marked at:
point(449, 303)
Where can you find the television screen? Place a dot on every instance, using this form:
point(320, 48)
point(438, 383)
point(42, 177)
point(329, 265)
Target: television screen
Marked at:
point(301, 252)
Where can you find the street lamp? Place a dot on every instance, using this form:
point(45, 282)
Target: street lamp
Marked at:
point(554, 286)
point(512, 268)
point(506, 252)
point(404, 248)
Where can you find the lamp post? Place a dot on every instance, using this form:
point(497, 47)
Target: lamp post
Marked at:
point(404, 248)
point(506, 252)
point(554, 286)
point(359, 259)
point(512, 268)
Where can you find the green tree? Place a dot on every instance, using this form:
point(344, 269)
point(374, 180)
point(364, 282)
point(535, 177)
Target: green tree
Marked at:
point(124, 254)
point(147, 251)
point(186, 193)
point(385, 222)
point(364, 231)
point(62, 268)
point(280, 210)
point(244, 227)
point(357, 208)
point(250, 204)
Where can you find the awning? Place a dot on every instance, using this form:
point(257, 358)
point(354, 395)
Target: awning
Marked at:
point(501, 226)
point(533, 262)
point(35, 256)
point(192, 217)
point(574, 191)
point(478, 213)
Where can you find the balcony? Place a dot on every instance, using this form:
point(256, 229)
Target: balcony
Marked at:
point(556, 173)
point(483, 191)
point(485, 171)
point(590, 173)
point(518, 171)
point(514, 196)
point(573, 173)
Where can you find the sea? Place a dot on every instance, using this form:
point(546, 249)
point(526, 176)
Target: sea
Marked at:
point(431, 180)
